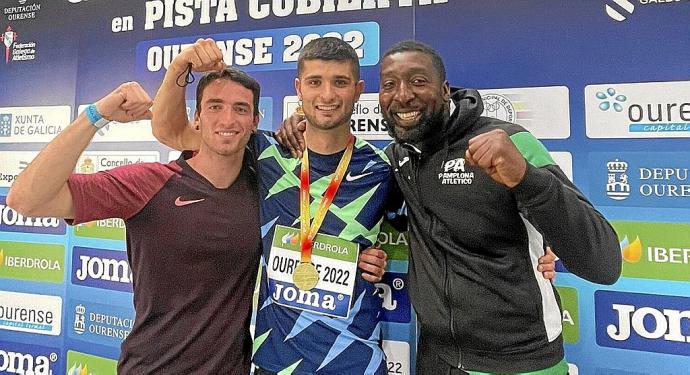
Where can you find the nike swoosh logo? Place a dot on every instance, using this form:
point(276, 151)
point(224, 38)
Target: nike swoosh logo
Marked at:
point(179, 202)
point(403, 161)
point(351, 178)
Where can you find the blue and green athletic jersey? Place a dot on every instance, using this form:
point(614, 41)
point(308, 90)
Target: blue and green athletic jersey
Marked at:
point(292, 341)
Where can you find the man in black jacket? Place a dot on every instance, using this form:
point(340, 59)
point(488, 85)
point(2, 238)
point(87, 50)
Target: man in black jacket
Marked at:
point(484, 198)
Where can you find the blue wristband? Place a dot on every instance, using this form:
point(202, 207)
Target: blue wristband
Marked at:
point(96, 118)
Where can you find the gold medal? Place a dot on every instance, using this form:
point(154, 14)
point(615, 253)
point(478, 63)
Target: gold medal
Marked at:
point(306, 276)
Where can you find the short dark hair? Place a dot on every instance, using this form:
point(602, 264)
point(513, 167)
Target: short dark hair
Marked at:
point(415, 46)
point(329, 49)
point(230, 74)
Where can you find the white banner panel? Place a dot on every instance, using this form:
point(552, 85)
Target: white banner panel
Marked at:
point(638, 110)
point(544, 111)
point(32, 124)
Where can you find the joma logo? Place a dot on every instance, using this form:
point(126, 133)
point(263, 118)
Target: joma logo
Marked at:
point(104, 269)
point(25, 364)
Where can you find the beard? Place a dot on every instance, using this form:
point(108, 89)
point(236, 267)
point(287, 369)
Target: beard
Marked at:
point(427, 125)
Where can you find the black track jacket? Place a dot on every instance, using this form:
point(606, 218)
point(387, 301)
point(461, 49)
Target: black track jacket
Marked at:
point(474, 246)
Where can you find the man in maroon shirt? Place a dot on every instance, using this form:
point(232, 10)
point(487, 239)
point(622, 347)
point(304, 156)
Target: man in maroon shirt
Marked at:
point(193, 240)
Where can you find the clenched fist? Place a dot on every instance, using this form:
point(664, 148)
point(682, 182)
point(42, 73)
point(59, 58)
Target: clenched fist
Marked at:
point(204, 55)
point(128, 102)
point(496, 154)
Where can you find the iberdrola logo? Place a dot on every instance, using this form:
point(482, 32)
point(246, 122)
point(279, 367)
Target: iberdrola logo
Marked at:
point(632, 251)
point(79, 370)
point(2, 257)
point(87, 364)
point(290, 238)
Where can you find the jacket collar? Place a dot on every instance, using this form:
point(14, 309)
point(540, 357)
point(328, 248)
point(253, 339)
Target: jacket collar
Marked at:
point(468, 107)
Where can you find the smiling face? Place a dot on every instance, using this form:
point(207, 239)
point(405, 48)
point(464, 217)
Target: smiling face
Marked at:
point(328, 90)
point(413, 97)
point(226, 117)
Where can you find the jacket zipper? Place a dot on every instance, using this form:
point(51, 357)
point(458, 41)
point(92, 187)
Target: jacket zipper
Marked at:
point(446, 289)
point(415, 169)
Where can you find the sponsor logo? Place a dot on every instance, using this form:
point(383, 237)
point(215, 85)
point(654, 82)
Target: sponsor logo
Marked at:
point(112, 229)
point(32, 261)
point(22, 12)
point(570, 311)
point(34, 124)
point(15, 50)
point(640, 179)
point(498, 107)
point(621, 10)
point(544, 111)
point(98, 323)
point(610, 101)
point(86, 165)
point(617, 185)
point(91, 162)
point(5, 124)
point(645, 110)
point(349, 177)
point(318, 299)
point(97, 268)
point(645, 322)
point(403, 161)
point(455, 165)
point(25, 359)
point(454, 173)
point(336, 262)
point(397, 356)
point(32, 313)
point(396, 303)
point(655, 250)
point(12, 163)
point(180, 203)
point(290, 238)
point(86, 364)
point(79, 319)
point(8, 39)
point(12, 221)
point(394, 243)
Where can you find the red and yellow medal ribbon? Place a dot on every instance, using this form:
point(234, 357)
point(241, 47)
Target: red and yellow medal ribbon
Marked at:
point(308, 230)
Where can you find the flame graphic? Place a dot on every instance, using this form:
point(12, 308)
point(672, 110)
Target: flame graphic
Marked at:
point(78, 370)
point(287, 238)
point(290, 238)
point(632, 252)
